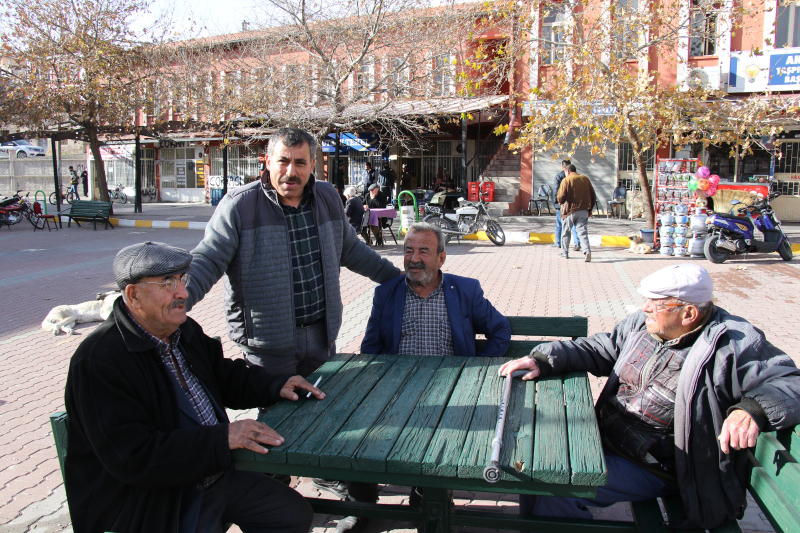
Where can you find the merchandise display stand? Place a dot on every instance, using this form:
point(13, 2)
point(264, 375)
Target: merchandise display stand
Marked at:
point(671, 190)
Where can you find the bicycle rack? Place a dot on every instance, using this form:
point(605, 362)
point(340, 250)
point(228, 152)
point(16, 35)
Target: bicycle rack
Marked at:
point(416, 210)
point(44, 199)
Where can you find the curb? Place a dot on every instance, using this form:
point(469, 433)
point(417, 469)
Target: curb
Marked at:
point(518, 237)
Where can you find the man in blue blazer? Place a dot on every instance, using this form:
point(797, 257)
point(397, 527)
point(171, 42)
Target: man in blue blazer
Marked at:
point(427, 313)
point(405, 312)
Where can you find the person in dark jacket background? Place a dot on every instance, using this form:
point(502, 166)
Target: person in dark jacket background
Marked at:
point(149, 442)
point(354, 209)
point(690, 388)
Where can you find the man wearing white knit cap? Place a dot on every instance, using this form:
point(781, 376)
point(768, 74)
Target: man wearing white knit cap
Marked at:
point(690, 388)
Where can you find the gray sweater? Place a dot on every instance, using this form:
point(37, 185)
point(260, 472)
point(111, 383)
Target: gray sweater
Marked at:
point(247, 239)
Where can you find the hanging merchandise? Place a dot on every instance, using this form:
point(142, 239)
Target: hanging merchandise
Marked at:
point(675, 192)
point(702, 184)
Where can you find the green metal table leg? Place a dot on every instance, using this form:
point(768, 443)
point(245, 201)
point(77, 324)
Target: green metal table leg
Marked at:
point(437, 510)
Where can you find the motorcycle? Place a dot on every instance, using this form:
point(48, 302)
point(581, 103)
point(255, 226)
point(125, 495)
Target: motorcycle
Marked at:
point(16, 208)
point(734, 233)
point(468, 218)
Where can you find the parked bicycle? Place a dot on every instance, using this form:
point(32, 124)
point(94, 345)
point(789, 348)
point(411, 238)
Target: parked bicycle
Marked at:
point(69, 196)
point(117, 194)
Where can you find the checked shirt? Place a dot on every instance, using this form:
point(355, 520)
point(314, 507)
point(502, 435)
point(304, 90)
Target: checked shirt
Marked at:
point(171, 355)
point(309, 292)
point(426, 324)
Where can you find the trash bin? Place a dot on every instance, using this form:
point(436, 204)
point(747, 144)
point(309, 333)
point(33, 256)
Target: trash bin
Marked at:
point(216, 196)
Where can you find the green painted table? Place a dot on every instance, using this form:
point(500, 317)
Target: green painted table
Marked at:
point(429, 422)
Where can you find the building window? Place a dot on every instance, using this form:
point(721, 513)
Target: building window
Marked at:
point(442, 75)
point(627, 162)
point(363, 80)
point(626, 38)
point(787, 24)
point(789, 162)
point(703, 28)
point(242, 162)
point(553, 37)
point(398, 77)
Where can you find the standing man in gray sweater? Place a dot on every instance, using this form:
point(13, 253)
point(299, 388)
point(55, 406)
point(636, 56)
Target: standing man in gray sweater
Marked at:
point(282, 241)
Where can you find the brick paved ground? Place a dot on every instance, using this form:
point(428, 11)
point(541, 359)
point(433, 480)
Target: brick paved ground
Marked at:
point(42, 270)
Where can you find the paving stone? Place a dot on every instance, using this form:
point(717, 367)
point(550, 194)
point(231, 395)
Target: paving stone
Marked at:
point(73, 265)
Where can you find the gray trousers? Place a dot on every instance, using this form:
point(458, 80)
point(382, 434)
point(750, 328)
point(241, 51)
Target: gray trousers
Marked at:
point(311, 352)
point(578, 220)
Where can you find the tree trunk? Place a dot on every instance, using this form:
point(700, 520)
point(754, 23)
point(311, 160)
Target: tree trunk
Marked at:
point(100, 169)
point(647, 193)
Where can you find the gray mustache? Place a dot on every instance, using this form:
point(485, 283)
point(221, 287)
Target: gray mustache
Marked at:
point(177, 303)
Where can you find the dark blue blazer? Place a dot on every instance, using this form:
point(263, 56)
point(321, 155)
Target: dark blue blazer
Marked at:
point(468, 310)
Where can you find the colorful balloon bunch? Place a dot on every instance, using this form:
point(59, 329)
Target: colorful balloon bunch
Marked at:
point(705, 182)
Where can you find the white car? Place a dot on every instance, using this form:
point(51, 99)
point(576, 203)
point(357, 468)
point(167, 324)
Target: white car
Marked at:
point(22, 148)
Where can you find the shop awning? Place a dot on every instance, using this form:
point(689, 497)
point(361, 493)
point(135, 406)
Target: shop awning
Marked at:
point(351, 142)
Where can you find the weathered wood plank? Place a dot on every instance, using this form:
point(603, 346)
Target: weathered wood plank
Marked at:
point(293, 428)
point(516, 455)
point(587, 461)
point(407, 453)
point(477, 450)
point(540, 326)
point(339, 408)
point(441, 458)
point(338, 451)
point(279, 412)
point(550, 455)
point(378, 442)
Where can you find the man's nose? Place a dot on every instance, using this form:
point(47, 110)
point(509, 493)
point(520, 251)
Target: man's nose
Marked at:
point(180, 292)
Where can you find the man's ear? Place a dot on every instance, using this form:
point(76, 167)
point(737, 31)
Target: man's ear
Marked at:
point(132, 296)
point(691, 314)
point(442, 257)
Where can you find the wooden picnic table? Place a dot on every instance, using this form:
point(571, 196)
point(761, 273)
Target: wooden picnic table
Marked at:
point(429, 422)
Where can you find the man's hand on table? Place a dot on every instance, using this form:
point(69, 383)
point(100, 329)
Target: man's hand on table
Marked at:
point(524, 363)
point(298, 383)
point(739, 431)
point(251, 434)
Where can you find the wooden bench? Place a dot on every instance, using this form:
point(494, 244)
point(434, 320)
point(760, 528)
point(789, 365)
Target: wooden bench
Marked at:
point(774, 483)
point(88, 210)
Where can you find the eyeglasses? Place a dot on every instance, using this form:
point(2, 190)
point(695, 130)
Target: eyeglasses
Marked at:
point(171, 283)
point(658, 307)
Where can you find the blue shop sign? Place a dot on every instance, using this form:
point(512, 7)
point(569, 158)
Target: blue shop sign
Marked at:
point(784, 69)
point(358, 142)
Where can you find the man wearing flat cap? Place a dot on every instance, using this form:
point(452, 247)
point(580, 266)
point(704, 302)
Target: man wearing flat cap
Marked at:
point(377, 200)
point(149, 440)
point(690, 388)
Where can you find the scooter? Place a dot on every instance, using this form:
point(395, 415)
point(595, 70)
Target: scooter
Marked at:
point(734, 233)
point(468, 218)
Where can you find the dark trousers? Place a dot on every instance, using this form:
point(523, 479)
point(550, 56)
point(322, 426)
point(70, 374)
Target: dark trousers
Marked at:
point(311, 352)
point(256, 503)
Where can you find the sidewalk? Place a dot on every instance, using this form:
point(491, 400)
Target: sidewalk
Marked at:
point(519, 229)
point(45, 269)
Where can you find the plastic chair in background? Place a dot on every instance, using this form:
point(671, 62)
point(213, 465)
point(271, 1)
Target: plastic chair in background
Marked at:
point(37, 211)
point(619, 201)
point(544, 196)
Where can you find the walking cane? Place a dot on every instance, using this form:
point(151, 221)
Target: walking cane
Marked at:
point(492, 471)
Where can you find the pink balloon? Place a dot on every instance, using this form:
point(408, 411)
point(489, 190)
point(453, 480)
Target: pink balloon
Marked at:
point(703, 172)
point(713, 179)
point(712, 190)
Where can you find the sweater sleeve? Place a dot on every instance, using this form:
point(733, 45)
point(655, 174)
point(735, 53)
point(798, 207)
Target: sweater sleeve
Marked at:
point(212, 257)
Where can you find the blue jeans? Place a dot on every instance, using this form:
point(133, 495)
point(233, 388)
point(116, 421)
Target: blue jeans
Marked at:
point(74, 188)
point(559, 224)
point(627, 482)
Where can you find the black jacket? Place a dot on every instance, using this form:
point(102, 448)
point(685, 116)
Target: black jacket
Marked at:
point(127, 460)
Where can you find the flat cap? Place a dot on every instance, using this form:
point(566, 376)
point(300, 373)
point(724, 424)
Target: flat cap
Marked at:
point(373, 186)
point(149, 259)
point(687, 282)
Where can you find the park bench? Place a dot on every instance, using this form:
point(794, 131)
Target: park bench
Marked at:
point(88, 210)
point(774, 479)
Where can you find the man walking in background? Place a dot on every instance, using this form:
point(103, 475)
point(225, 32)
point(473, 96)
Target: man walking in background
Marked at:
point(557, 183)
point(576, 196)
